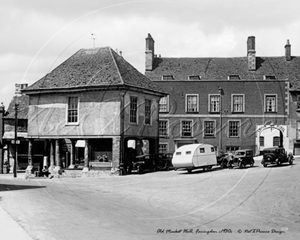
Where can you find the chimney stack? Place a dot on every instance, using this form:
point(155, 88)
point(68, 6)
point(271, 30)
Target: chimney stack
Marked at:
point(251, 53)
point(149, 53)
point(288, 56)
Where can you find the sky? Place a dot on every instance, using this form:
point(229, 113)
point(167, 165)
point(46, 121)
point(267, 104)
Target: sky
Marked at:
point(38, 35)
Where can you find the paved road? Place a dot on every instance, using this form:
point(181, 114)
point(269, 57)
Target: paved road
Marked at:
point(261, 203)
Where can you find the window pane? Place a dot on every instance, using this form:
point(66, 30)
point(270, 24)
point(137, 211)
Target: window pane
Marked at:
point(209, 128)
point(192, 103)
point(163, 128)
point(270, 103)
point(147, 111)
point(238, 102)
point(186, 128)
point(73, 109)
point(233, 129)
point(163, 104)
point(133, 109)
point(214, 103)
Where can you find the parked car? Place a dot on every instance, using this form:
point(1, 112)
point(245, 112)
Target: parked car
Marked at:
point(276, 155)
point(144, 163)
point(163, 161)
point(242, 158)
point(223, 159)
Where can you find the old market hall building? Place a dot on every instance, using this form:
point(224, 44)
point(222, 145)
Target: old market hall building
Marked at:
point(97, 102)
point(231, 103)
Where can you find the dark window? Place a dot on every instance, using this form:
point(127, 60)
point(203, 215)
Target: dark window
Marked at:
point(133, 109)
point(73, 110)
point(167, 77)
point(194, 77)
point(209, 128)
point(298, 102)
point(234, 77)
point(270, 77)
point(186, 128)
point(147, 111)
point(276, 141)
point(262, 141)
point(163, 148)
point(163, 128)
point(234, 128)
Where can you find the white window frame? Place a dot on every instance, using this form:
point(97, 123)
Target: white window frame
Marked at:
point(167, 104)
point(265, 103)
point(210, 103)
point(214, 128)
point(181, 127)
point(232, 102)
point(186, 103)
point(137, 104)
point(167, 128)
point(239, 128)
point(67, 110)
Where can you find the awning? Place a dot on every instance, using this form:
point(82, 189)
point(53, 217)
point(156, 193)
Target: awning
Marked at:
point(11, 135)
point(80, 143)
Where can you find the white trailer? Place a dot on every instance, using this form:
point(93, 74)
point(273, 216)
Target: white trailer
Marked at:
point(193, 156)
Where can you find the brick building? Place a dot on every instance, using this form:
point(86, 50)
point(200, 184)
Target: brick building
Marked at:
point(231, 103)
point(97, 103)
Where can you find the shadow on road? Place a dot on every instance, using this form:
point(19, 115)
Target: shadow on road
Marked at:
point(282, 165)
point(13, 187)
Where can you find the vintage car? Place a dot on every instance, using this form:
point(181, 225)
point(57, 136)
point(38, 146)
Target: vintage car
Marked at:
point(163, 161)
point(144, 163)
point(276, 155)
point(241, 158)
point(223, 159)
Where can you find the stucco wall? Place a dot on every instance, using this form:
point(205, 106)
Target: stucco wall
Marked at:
point(99, 114)
point(139, 128)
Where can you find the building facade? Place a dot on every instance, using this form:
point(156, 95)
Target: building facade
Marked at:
point(231, 103)
point(93, 106)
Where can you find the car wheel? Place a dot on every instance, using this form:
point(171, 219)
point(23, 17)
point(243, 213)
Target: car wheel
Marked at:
point(241, 164)
point(252, 163)
point(278, 162)
point(265, 165)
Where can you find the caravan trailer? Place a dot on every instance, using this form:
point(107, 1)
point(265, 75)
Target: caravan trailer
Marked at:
point(193, 156)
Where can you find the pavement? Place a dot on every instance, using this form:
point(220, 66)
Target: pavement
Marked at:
point(9, 228)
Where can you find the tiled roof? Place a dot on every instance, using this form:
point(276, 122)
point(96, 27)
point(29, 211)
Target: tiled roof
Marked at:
point(23, 101)
point(221, 68)
point(97, 67)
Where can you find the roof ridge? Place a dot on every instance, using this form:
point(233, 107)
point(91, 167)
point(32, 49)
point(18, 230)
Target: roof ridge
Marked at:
point(115, 62)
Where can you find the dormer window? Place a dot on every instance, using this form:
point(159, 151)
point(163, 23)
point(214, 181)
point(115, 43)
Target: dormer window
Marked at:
point(268, 77)
point(194, 77)
point(234, 77)
point(167, 77)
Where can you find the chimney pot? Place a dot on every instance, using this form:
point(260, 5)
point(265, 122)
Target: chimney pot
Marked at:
point(251, 53)
point(288, 56)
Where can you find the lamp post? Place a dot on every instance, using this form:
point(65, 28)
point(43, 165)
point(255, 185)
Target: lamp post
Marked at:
point(220, 138)
point(16, 137)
